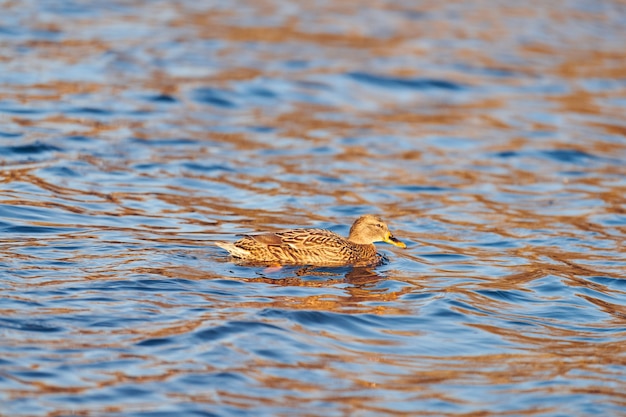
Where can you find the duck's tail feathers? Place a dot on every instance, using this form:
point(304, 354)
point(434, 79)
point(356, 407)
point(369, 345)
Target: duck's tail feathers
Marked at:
point(235, 251)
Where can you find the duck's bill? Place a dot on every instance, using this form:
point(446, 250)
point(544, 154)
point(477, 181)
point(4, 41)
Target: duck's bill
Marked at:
point(395, 242)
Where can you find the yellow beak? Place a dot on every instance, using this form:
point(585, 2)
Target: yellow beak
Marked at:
point(395, 242)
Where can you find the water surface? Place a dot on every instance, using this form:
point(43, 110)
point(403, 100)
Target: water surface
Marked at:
point(490, 136)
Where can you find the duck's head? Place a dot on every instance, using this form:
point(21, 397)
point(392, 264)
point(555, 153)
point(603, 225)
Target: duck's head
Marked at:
point(369, 229)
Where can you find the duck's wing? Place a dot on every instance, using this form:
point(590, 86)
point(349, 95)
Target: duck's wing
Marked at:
point(296, 246)
point(300, 239)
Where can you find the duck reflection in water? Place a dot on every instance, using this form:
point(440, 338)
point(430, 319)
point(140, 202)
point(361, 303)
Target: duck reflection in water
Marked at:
point(310, 276)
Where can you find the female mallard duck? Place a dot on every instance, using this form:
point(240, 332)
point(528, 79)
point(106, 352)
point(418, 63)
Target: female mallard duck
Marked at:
point(315, 246)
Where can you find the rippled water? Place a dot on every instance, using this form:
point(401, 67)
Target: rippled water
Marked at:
point(489, 135)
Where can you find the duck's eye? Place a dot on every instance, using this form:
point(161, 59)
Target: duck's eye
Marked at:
point(380, 226)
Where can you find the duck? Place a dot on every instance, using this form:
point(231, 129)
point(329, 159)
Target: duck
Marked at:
point(315, 247)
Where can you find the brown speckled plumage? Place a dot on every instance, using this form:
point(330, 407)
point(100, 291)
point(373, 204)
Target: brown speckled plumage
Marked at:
point(315, 246)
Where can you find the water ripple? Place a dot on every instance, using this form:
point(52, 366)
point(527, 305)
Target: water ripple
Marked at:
point(403, 83)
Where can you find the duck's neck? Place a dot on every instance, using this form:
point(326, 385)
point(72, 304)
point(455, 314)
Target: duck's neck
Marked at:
point(359, 241)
